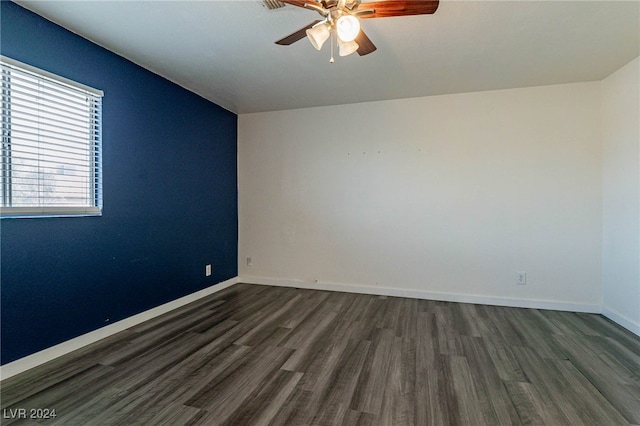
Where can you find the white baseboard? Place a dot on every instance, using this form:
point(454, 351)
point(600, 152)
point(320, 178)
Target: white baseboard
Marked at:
point(428, 295)
point(45, 355)
point(31, 361)
point(625, 322)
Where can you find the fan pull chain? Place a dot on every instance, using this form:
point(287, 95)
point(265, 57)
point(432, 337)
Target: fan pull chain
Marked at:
point(331, 60)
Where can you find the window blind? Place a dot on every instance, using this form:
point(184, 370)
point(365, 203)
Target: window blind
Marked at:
point(51, 151)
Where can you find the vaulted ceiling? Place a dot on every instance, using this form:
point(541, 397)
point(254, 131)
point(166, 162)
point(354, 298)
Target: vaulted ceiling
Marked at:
point(225, 51)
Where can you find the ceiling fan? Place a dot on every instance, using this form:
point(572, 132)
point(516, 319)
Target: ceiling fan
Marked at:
point(341, 19)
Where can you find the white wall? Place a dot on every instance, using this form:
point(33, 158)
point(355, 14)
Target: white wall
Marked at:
point(444, 195)
point(621, 200)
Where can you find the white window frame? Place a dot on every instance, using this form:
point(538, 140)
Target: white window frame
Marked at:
point(93, 175)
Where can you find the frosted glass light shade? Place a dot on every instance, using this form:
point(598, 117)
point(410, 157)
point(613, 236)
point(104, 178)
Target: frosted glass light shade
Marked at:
point(318, 35)
point(347, 47)
point(348, 27)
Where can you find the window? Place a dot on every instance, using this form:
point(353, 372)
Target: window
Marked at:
point(51, 152)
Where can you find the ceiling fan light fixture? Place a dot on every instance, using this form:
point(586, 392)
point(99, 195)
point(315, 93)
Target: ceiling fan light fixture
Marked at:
point(347, 47)
point(348, 28)
point(318, 35)
point(341, 18)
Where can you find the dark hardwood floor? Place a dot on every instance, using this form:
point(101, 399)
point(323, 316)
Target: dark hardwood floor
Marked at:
point(259, 355)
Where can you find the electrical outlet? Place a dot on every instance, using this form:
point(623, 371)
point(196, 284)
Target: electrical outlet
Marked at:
point(521, 278)
point(207, 271)
point(249, 262)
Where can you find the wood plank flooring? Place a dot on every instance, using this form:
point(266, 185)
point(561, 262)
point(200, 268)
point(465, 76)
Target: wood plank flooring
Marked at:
point(259, 355)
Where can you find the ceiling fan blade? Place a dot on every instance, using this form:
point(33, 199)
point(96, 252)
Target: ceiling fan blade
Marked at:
point(389, 8)
point(300, 3)
point(365, 45)
point(298, 35)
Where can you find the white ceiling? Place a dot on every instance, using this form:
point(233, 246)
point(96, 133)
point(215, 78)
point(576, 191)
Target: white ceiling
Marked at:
point(225, 51)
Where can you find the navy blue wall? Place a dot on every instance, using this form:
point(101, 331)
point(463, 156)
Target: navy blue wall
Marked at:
point(170, 200)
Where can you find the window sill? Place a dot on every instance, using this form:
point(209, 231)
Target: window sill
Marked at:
point(35, 212)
